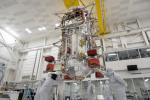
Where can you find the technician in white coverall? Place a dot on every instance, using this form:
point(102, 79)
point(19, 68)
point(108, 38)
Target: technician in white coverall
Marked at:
point(46, 90)
point(39, 84)
point(91, 91)
point(107, 92)
point(117, 85)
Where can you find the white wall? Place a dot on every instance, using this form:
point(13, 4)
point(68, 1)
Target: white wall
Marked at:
point(120, 41)
point(122, 64)
point(32, 60)
point(9, 55)
point(126, 40)
point(144, 21)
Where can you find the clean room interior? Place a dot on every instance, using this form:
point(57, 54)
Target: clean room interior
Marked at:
point(74, 50)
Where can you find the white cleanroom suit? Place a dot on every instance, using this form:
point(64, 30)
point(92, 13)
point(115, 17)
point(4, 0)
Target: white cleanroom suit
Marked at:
point(91, 92)
point(46, 92)
point(117, 85)
point(106, 91)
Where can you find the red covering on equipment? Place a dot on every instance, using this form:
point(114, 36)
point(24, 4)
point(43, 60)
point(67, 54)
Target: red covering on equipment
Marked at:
point(49, 59)
point(92, 52)
point(50, 67)
point(66, 77)
point(99, 75)
point(93, 62)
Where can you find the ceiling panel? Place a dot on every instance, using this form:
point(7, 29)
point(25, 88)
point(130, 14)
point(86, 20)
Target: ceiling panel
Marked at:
point(32, 14)
point(121, 10)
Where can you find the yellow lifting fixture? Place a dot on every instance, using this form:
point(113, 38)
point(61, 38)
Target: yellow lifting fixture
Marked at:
point(100, 9)
point(71, 3)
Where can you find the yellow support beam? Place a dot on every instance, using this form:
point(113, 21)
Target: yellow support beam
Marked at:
point(100, 9)
point(71, 3)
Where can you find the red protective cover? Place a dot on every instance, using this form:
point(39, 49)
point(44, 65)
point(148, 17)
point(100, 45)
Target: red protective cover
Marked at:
point(49, 59)
point(99, 75)
point(50, 67)
point(93, 62)
point(66, 77)
point(92, 52)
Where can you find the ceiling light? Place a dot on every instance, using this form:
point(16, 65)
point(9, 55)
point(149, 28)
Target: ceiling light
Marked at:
point(11, 31)
point(9, 39)
point(57, 25)
point(42, 28)
point(75, 83)
point(146, 80)
point(28, 30)
point(148, 50)
point(112, 54)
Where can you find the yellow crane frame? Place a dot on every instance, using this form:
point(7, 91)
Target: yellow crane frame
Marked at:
point(100, 9)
